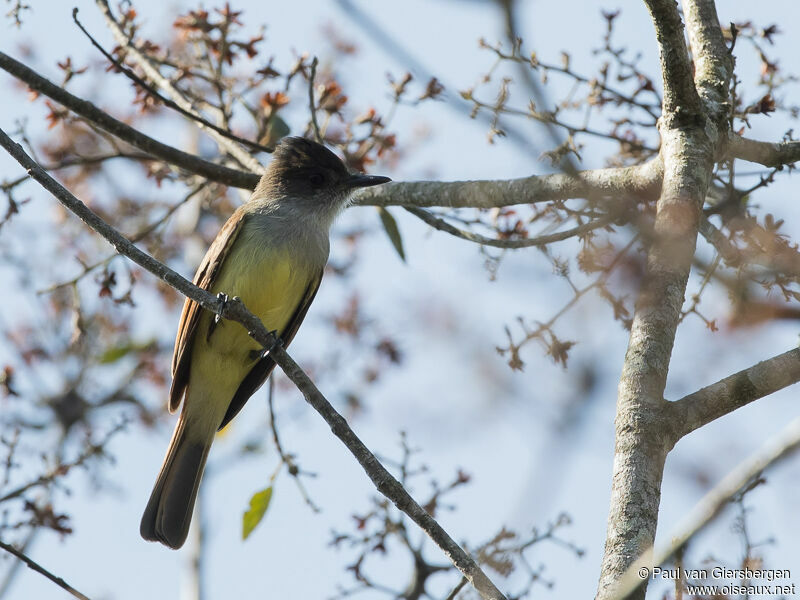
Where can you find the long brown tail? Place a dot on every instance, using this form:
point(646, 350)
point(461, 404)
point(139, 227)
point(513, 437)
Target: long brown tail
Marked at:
point(169, 510)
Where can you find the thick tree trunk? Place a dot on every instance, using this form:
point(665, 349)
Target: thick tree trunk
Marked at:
point(690, 138)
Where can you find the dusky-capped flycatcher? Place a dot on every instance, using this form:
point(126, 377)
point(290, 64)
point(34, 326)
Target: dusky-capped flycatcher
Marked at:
point(271, 253)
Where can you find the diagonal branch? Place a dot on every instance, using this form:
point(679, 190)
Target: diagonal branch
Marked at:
point(126, 133)
point(718, 399)
point(167, 102)
point(242, 156)
point(235, 310)
point(40, 569)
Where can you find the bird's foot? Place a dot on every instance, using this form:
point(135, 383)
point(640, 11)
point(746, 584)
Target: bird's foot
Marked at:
point(223, 300)
point(264, 352)
point(277, 343)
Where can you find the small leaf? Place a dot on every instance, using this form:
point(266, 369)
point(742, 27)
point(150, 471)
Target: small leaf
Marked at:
point(116, 353)
point(390, 225)
point(253, 515)
point(275, 130)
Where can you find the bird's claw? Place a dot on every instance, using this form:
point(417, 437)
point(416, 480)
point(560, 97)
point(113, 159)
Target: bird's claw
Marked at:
point(223, 300)
point(277, 343)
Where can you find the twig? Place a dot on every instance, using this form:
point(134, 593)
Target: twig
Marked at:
point(135, 238)
point(311, 102)
point(167, 102)
point(459, 586)
point(93, 449)
point(39, 569)
point(566, 163)
point(385, 40)
point(235, 310)
point(287, 459)
point(190, 162)
point(14, 570)
point(153, 73)
point(541, 240)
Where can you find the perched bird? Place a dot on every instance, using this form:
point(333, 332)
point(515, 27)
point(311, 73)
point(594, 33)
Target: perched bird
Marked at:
point(271, 253)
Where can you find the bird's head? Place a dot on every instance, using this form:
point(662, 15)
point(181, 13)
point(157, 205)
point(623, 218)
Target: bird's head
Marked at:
point(308, 175)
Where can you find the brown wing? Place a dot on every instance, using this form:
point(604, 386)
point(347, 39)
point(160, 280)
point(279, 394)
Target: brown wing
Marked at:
point(187, 327)
point(261, 370)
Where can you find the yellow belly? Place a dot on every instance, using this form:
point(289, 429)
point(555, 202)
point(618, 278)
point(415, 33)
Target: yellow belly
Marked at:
point(272, 285)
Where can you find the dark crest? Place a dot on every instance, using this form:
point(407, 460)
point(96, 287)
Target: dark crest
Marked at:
point(298, 154)
point(302, 168)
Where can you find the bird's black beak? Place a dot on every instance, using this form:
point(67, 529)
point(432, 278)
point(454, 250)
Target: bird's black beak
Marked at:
point(358, 180)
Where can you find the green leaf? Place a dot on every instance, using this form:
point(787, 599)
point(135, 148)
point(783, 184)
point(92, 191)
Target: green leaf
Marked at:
point(390, 226)
point(116, 353)
point(253, 515)
point(275, 130)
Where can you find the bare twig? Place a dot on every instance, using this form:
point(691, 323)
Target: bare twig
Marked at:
point(167, 102)
point(235, 310)
point(93, 449)
point(190, 162)
point(385, 40)
point(540, 240)
point(287, 459)
point(459, 586)
point(243, 157)
point(137, 237)
point(40, 569)
point(311, 104)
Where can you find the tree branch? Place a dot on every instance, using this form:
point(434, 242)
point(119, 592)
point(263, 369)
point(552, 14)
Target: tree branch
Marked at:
point(641, 181)
point(312, 107)
point(718, 399)
point(40, 569)
point(167, 102)
point(242, 156)
point(681, 104)
point(235, 310)
point(713, 63)
point(768, 154)
point(87, 110)
point(642, 438)
point(775, 449)
point(540, 240)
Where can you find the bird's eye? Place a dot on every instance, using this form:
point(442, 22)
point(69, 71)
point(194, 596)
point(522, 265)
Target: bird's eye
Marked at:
point(317, 179)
